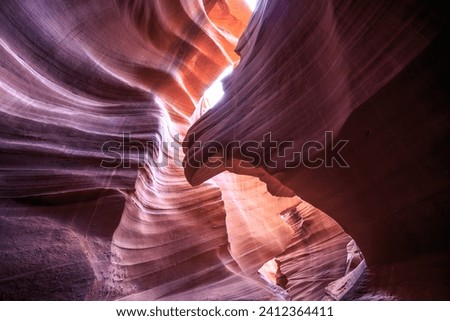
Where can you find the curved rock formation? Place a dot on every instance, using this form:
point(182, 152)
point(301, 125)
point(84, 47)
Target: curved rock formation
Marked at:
point(373, 75)
point(78, 88)
point(98, 96)
point(74, 97)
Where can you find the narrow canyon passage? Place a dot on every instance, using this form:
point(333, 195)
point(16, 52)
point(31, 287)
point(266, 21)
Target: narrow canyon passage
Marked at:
point(321, 174)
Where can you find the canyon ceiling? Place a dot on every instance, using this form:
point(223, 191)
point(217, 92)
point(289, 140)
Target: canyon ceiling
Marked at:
point(117, 183)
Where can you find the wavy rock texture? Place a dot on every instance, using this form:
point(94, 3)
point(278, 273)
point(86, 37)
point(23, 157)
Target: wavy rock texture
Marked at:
point(374, 74)
point(84, 82)
point(79, 76)
point(316, 256)
point(173, 241)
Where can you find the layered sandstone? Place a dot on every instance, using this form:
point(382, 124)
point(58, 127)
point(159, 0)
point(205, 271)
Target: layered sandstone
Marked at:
point(100, 101)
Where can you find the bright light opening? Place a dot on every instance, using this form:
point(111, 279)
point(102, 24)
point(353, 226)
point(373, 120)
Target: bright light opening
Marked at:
point(252, 4)
point(215, 92)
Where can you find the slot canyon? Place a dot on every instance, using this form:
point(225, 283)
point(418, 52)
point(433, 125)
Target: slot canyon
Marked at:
point(322, 173)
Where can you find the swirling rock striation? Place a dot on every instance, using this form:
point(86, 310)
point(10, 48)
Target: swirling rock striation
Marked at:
point(79, 78)
point(96, 98)
point(374, 75)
